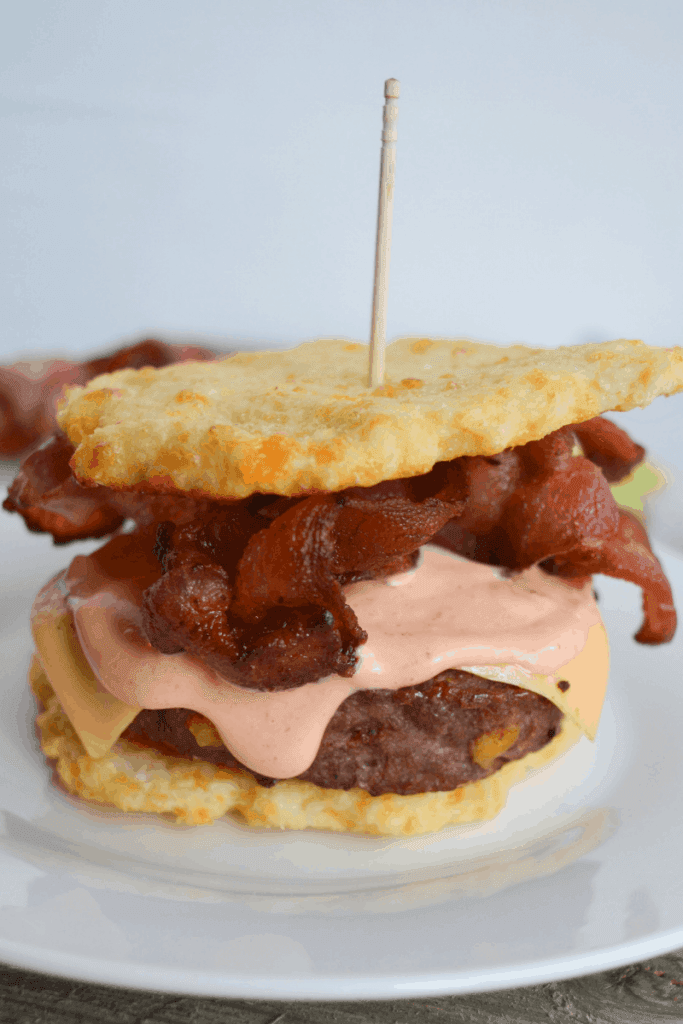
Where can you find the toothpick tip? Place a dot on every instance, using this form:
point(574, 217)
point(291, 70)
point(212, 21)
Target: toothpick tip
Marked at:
point(392, 89)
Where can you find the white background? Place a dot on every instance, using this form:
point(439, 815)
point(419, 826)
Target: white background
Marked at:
point(211, 167)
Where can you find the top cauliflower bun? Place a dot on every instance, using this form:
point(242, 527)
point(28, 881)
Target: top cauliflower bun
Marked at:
point(302, 420)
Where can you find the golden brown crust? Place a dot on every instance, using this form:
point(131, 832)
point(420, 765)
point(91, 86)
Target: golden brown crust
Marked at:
point(197, 793)
point(304, 420)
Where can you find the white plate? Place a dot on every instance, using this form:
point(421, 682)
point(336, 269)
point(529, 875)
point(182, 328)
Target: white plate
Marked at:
point(581, 872)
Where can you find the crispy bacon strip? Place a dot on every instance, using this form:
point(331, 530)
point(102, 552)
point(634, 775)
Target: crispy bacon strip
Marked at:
point(627, 556)
point(149, 352)
point(190, 608)
point(308, 550)
point(609, 447)
point(186, 609)
point(540, 504)
point(284, 621)
point(51, 500)
point(489, 484)
point(562, 505)
point(255, 588)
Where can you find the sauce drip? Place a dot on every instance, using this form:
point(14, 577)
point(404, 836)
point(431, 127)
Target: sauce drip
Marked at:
point(448, 612)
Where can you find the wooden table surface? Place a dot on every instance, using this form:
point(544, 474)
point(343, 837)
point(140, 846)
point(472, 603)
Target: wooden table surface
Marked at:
point(646, 993)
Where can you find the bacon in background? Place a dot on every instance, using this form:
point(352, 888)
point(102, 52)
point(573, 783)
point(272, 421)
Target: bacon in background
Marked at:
point(29, 390)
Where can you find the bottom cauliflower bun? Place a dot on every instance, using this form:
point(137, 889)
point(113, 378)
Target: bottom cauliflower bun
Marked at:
point(137, 779)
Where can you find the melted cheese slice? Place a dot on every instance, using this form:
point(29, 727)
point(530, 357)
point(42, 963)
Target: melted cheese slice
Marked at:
point(587, 675)
point(97, 716)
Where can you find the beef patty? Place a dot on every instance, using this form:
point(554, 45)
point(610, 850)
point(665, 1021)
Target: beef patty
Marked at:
point(436, 736)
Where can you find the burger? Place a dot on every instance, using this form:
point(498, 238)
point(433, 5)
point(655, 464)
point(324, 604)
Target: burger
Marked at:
point(322, 605)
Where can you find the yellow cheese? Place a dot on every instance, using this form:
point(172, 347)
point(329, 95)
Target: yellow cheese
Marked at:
point(204, 732)
point(586, 674)
point(489, 746)
point(97, 716)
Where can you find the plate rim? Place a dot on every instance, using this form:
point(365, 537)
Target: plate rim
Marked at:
point(323, 987)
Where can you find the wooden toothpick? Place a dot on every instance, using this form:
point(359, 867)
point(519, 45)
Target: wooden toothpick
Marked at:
point(385, 209)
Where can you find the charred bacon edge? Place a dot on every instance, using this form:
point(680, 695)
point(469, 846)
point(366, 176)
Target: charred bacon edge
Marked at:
point(254, 587)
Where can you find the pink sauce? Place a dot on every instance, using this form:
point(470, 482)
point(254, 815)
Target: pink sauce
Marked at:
point(448, 612)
